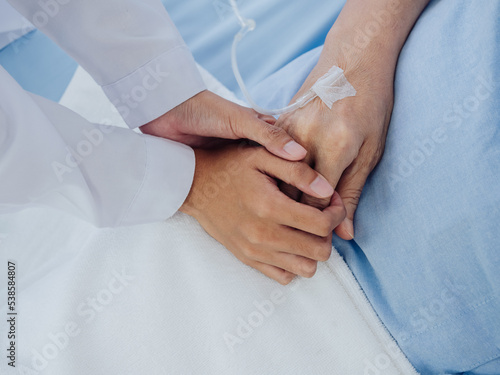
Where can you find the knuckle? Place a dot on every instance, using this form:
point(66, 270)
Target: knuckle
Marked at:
point(325, 227)
point(251, 251)
point(351, 196)
point(344, 137)
point(299, 170)
point(273, 132)
point(286, 279)
point(309, 268)
point(319, 203)
point(303, 249)
point(264, 209)
point(324, 252)
point(342, 215)
point(369, 156)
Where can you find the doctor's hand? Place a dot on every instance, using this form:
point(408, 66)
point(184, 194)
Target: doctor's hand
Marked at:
point(236, 199)
point(206, 118)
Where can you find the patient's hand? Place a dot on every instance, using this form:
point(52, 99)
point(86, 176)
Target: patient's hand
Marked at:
point(236, 199)
point(345, 143)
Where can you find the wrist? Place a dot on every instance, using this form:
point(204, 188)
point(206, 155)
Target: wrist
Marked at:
point(374, 31)
point(351, 50)
point(194, 202)
point(170, 123)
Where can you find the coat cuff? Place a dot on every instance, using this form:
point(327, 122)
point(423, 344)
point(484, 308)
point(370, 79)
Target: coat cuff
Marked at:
point(168, 177)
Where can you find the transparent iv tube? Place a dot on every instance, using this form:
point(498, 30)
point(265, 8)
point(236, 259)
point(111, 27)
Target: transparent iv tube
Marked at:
point(248, 25)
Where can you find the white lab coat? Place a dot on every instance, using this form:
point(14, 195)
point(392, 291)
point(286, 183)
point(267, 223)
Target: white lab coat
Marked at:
point(12, 24)
point(107, 175)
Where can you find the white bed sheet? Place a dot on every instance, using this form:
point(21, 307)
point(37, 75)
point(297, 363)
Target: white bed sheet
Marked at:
point(166, 298)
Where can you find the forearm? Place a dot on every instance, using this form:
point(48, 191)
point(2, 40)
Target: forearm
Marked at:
point(371, 32)
point(377, 24)
point(366, 40)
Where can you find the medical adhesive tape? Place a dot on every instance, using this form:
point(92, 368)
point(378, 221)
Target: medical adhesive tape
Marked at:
point(330, 88)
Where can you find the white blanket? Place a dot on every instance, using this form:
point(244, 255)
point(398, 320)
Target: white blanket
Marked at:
point(166, 298)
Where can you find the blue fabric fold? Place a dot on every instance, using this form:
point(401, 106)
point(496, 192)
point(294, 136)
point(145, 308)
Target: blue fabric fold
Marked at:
point(427, 246)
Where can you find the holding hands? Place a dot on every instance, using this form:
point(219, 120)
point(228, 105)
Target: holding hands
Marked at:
point(285, 233)
point(235, 194)
point(236, 199)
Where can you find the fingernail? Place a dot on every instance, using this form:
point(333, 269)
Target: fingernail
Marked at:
point(321, 187)
point(349, 227)
point(294, 149)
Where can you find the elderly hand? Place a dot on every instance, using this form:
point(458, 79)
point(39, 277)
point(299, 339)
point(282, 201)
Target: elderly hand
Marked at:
point(346, 142)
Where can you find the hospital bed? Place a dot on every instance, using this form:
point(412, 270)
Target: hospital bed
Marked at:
point(165, 298)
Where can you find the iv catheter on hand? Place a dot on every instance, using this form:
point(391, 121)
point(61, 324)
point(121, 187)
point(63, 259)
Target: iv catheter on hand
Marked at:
point(331, 87)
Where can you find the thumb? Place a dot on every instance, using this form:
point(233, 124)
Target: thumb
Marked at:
point(267, 118)
point(275, 139)
point(349, 188)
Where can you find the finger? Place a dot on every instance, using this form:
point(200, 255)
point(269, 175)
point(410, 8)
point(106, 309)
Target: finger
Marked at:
point(290, 213)
point(292, 191)
point(297, 174)
point(336, 210)
point(350, 187)
point(332, 165)
point(282, 238)
point(332, 172)
point(294, 264)
point(269, 119)
point(275, 273)
point(303, 244)
point(275, 139)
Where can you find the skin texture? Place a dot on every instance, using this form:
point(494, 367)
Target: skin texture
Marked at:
point(235, 194)
point(206, 119)
point(236, 199)
point(249, 215)
point(346, 143)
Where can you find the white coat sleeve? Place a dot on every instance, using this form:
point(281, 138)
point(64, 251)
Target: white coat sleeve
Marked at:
point(130, 47)
point(109, 176)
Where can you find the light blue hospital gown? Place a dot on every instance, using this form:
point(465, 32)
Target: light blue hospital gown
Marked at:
point(427, 246)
